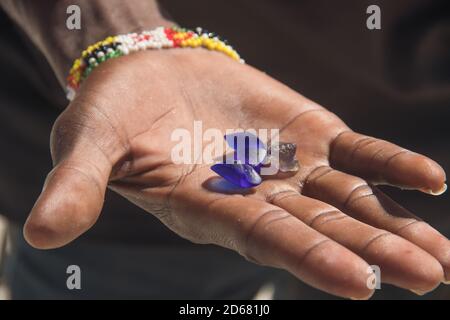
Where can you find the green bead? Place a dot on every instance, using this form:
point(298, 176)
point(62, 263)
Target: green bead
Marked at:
point(88, 71)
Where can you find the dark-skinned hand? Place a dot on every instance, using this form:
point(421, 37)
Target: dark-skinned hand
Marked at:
point(325, 224)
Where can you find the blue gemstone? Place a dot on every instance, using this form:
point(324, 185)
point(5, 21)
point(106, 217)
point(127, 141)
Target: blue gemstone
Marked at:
point(248, 148)
point(257, 168)
point(242, 175)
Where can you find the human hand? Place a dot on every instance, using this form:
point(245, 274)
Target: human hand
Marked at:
point(325, 224)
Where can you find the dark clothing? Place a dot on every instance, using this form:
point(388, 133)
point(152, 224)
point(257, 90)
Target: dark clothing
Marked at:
point(392, 83)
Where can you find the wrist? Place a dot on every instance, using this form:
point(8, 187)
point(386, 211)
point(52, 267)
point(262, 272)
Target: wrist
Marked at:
point(45, 25)
point(158, 38)
point(129, 17)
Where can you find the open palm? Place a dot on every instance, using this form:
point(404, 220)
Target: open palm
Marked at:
point(325, 224)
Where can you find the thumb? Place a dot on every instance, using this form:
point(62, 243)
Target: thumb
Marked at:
point(69, 204)
point(73, 192)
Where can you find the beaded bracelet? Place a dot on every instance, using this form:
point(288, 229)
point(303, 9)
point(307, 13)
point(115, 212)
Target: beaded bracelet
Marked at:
point(113, 47)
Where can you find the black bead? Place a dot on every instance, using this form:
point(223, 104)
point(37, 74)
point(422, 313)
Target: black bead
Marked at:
point(91, 55)
point(86, 60)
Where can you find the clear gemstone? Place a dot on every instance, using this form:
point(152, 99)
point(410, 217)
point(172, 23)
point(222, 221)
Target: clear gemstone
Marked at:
point(287, 156)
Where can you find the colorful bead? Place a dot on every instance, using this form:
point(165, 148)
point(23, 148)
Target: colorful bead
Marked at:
point(113, 47)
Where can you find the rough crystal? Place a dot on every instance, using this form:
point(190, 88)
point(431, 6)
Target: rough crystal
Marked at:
point(242, 175)
point(249, 149)
point(286, 154)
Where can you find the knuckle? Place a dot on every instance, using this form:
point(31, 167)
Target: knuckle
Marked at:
point(254, 235)
point(357, 193)
point(324, 217)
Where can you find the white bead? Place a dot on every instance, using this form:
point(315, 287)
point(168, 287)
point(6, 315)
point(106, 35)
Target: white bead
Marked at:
point(70, 94)
point(124, 50)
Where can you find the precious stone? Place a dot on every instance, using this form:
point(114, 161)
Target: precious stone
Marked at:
point(286, 154)
point(249, 148)
point(242, 175)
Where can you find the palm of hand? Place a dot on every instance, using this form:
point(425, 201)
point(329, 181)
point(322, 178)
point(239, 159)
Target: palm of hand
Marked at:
point(325, 224)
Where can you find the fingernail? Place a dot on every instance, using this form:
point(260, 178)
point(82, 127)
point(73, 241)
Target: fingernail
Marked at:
point(363, 298)
point(437, 193)
point(418, 292)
